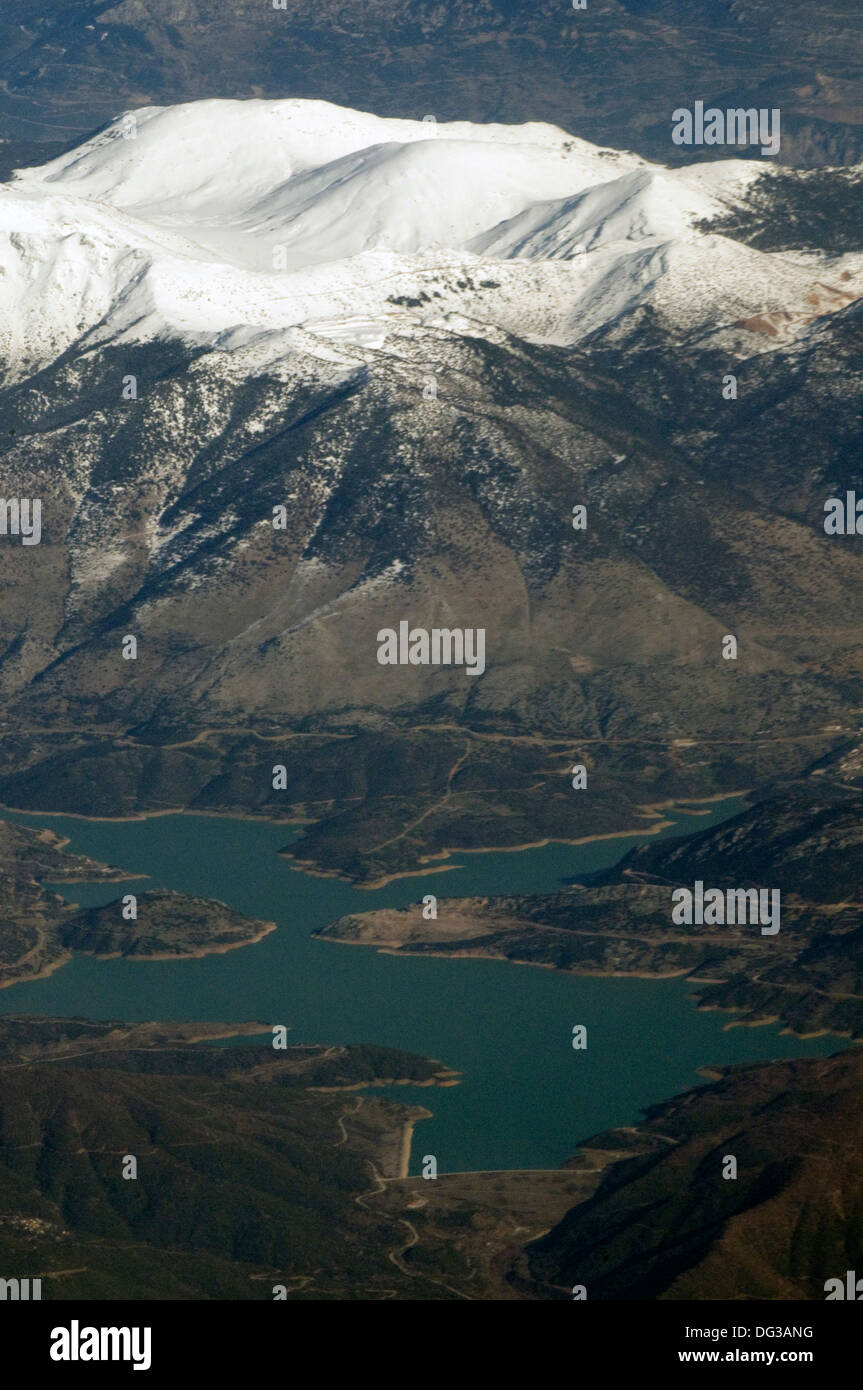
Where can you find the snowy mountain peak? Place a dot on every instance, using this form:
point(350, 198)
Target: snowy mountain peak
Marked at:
point(209, 155)
point(217, 220)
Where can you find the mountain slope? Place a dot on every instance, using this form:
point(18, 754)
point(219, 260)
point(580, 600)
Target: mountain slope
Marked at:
point(419, 425)
point(614, 71)
point(666, 1223)
point(249, 1163)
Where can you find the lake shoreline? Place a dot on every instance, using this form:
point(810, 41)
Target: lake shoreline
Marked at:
point(507, 1035)
point(651, 810)
point(593, 975)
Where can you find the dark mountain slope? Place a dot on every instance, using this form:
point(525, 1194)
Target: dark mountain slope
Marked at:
point(667, 1224)
point(612, 73)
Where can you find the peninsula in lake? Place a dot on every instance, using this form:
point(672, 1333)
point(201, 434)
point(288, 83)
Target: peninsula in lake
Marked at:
point(41, 931)
point(807, 841)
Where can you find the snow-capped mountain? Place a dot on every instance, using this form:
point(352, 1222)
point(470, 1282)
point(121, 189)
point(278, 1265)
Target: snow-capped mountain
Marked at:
point(419, 348)
point(223, 222)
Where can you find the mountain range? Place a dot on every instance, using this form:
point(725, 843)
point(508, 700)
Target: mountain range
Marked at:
point(254, 470)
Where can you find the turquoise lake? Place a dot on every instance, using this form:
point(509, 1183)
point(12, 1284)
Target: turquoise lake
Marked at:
point(526, 1097)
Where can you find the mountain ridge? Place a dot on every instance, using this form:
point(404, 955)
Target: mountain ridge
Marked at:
point(337, 217)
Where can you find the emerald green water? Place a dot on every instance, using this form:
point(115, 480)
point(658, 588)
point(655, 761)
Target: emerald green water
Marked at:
point(526, 1097)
